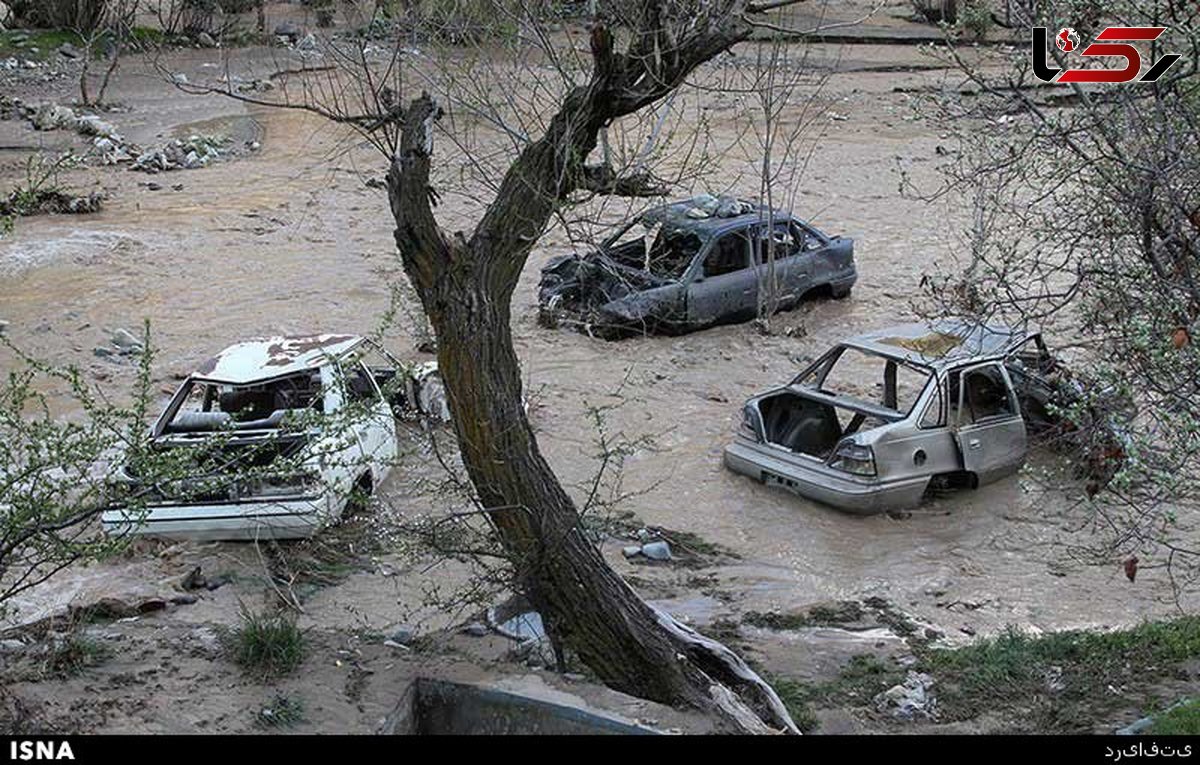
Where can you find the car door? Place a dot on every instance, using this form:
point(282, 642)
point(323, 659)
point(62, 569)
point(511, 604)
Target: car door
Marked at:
point(989, 429)
point(724, 285)
point(379, 433)
point(792, 271)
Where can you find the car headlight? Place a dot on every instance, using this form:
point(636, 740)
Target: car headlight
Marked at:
point(280, 486)
point(749, 427)
point(854, 458)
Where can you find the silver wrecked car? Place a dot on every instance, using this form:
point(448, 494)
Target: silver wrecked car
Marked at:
point(881, 418)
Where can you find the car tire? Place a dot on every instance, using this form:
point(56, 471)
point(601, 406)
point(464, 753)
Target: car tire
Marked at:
point(360, 496)
point(839, 293)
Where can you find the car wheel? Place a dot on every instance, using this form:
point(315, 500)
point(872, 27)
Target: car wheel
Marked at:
point(360, 497)
point(839, 293)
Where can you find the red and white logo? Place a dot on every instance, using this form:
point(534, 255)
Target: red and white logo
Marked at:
point(1066, 40)
point(1112, 44)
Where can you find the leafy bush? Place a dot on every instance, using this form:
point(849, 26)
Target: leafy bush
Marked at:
point(82, 15)
point(976, 19)
point(936, 11)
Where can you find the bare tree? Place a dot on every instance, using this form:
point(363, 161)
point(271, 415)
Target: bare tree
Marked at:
point(528, 139)
point(777, 76)
point(112, 35)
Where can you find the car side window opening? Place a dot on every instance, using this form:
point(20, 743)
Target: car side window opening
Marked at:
point(360, 384)
point(728, 255)
point(986, 394)
point(867, 377)
point(672, 252)
point(786, 243)
point(934, 415)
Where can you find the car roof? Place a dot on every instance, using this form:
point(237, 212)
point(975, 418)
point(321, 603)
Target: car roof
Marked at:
point(941, 343)
point(682, 215)
point(273, 357)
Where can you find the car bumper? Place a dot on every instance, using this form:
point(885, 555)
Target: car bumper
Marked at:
point(818, 482)
point(286, 518)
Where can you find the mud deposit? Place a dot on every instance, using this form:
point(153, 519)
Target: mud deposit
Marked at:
point(289, 239)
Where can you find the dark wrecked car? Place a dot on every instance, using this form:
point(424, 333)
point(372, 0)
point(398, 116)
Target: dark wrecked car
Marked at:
point(882, 418)
point(689, 265)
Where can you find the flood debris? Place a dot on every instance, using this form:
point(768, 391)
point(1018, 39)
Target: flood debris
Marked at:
point(23, 202)
point(689, 265)
point(909, 700)
point(111, 148)
point(884, 418)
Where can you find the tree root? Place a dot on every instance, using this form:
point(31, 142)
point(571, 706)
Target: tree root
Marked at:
point(737, 693)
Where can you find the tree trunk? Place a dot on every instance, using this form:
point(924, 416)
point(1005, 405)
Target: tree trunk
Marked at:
point(466, 289)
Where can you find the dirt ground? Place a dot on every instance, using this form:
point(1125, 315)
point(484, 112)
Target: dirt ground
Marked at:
point(289, 238)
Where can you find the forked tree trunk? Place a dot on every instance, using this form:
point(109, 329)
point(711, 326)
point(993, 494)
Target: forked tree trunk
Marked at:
point(466, 289)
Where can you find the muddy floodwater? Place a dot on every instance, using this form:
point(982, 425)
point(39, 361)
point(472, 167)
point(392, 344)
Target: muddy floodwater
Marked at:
point(289, 238)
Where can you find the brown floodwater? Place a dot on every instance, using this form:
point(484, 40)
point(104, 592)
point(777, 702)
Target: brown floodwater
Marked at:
point(289, 239)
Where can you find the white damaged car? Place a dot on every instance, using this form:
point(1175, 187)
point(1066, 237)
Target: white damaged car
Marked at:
point(270, 439)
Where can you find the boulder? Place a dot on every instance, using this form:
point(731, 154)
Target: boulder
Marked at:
point(657, 551)
point(126, 341)
point(52, 117)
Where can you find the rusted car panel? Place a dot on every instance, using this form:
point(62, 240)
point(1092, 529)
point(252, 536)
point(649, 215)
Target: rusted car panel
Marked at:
point(689, 265)
point(273, 438)
point(876, 421)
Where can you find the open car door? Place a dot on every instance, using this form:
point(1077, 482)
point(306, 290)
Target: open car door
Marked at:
point(989, 429)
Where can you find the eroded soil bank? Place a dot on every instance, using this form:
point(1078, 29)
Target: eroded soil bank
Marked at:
point(289, 238)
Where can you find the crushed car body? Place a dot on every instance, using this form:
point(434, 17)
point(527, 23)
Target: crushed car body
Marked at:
point(270, 439)
point(692, 264)
point(882, 418)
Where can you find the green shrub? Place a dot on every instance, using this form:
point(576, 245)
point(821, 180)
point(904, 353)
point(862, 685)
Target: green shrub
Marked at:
point(82, 15)
point(268, 644)
point(975, 19)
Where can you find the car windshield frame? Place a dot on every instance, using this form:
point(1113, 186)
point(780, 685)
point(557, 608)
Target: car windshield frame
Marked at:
point(825, 363)
point(660, 229)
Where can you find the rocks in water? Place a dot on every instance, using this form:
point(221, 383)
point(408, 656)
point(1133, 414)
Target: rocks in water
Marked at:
point(657, 551)
point(206, 40)
point(122, 342)
point(653, 550)
point(255, 86)
point(193, 152)
point(67, 50)
point(308, 44)
point(126, 341)
point(401, 635)
point(6, 16)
